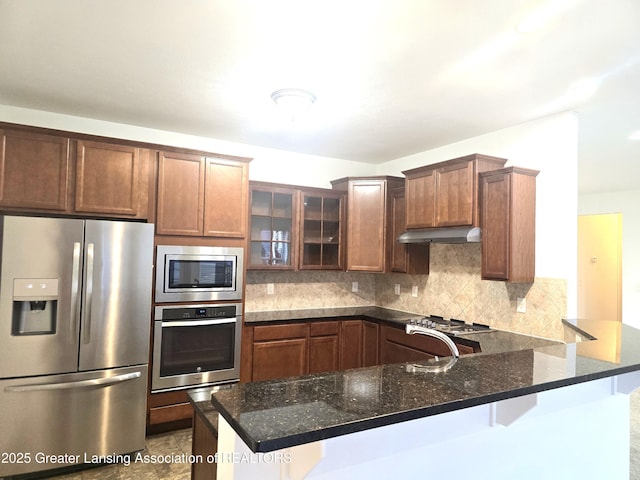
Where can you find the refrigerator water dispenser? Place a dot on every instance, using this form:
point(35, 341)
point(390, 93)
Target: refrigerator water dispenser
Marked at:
point(35, 306)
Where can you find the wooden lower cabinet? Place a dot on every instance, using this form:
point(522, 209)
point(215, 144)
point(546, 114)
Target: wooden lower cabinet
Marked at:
point(397, 347)
point(279, 358)
point(350, 344)
point(293, 349)
point(324, 343)
point(204, 443)
point(279, 351)
point(285, 350)
point(370, 343)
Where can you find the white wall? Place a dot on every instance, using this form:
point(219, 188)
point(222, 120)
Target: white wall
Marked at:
point(268, 164)
point(626, 203)
point(551, 146)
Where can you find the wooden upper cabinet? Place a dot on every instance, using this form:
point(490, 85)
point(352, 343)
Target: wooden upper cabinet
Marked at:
point(421, 189)
point(34, 171)
point(107, 178)
point(412, 258)
point(320, 229)
point(445, 194)
point(44, 173)
point(369, 233)
point(226, 198)
point(508, 198)
point(180, 194)
point(273, 227)
point(456, 191)
point(201, 196)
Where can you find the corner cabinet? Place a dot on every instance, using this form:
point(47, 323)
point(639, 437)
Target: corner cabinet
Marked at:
point(321, 230)
point(200, 195)
point(508, 199)
point(273, 232)
point(369, 238)
point(445, 194)
point(397, 347)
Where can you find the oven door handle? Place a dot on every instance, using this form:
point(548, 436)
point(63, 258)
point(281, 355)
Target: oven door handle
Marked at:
point(195, 323)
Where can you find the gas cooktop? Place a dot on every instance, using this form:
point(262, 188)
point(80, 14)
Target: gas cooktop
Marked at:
point(449, 325)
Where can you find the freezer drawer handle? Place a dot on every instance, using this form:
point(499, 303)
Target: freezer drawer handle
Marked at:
point(95, 382)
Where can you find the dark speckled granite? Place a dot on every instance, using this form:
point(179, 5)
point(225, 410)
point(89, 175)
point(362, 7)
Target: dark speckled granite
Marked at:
point(494, 341)
point(377, 313)
point(282, 413)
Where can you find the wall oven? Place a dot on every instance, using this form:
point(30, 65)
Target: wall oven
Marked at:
point(198, 274)
point(196, 345)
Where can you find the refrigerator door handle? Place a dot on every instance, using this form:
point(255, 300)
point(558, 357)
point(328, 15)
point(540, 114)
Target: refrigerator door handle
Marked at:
point(95, 382)
point(75, 289)
point(88, 292)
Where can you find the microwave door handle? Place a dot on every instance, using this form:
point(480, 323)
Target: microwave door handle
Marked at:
point(195, 323)
point(75, 289)
point(86, 325)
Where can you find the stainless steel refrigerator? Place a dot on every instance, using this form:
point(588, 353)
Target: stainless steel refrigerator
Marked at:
point(75, 303)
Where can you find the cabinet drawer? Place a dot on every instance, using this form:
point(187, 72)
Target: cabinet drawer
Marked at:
point(278, 332)
point(318, 329)
point(170, 413)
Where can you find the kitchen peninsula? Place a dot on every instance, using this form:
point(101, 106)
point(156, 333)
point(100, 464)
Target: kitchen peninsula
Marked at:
point(557, 411)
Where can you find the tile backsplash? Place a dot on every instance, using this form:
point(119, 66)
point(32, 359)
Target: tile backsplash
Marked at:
point(308, 289)
point(453, 288)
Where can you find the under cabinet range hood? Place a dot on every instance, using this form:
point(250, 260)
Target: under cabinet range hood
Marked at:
point(442, 235)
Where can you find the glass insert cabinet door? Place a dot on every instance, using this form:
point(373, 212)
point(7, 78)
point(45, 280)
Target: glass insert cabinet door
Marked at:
point(273, 214)
point(321, 231)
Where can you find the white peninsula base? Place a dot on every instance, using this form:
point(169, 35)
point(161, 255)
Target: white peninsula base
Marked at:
point(575, 432)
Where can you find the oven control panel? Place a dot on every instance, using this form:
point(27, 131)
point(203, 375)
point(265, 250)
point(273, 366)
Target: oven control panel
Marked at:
point(199, 312)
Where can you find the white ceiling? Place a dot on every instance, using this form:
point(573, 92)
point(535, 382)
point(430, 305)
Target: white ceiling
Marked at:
point(392, 77)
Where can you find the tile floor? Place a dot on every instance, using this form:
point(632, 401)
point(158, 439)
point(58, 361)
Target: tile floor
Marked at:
point(172, 443)
point(180, 441)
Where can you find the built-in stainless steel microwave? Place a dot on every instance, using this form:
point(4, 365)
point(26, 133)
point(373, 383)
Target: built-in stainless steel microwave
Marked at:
point(191, 273)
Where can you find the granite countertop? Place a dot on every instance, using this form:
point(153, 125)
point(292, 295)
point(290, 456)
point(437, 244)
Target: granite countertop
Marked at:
point(281, 413)
point(377, 313)
point(494, 341)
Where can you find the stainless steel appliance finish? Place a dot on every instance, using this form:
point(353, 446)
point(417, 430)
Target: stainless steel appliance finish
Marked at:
point(198, 274)
point(451, 326)
point(442, 235)
point(196, 345)
point(75, 300)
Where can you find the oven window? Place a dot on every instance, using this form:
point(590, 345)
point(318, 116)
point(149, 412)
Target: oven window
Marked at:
point(209, 347)
point(201, 273)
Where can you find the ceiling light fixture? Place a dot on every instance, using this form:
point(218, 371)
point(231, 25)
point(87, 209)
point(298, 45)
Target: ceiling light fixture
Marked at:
point(293, 102)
